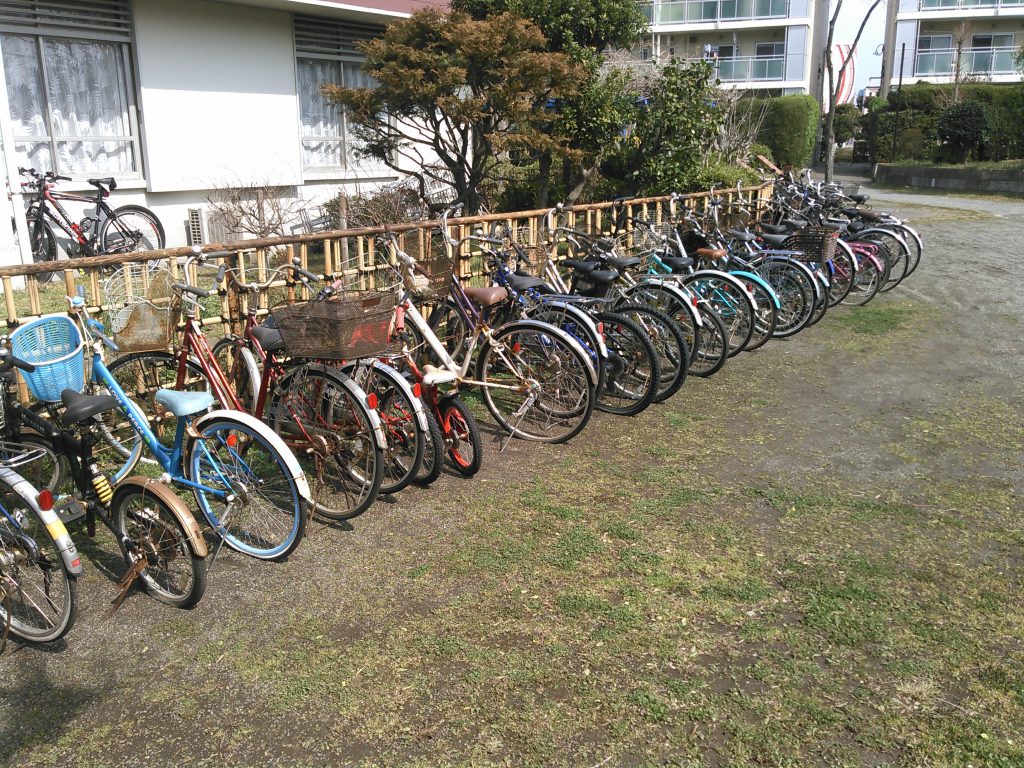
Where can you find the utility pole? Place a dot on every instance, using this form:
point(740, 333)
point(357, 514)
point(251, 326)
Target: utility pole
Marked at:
point(899, 103)
point(889, 47)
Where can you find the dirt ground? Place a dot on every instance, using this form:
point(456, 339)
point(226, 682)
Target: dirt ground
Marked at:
point(813, 558)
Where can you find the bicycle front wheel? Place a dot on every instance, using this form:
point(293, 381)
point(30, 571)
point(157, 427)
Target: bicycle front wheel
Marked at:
point(131, 228)
point(41, 594)
point(174, 574)
point(44, 248)
point(633, 367)
point(249, 495)
point(538, 384)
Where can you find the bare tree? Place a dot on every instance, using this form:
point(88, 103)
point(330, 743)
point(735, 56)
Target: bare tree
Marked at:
point(742, 119)
point(260, 209)
point(835, 78)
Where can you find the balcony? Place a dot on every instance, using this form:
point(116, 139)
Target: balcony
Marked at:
point(974, 61)
point(699, 11)
point(751, 68)
point(942, 5)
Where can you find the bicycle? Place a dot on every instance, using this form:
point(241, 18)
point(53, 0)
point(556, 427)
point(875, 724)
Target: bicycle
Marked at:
point(535, 380)
point(248, 485)
point(39, 563)
point(319, 412)
point(158, 537)
point(125, 229)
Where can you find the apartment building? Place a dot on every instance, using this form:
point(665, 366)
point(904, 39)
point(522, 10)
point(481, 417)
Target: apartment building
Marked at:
point(772, 46)
point(943, 40)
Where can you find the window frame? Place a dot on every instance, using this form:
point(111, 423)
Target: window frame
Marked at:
point(52, 139)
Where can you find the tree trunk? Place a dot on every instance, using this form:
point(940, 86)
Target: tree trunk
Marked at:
point(829, 132)
point(544, 163)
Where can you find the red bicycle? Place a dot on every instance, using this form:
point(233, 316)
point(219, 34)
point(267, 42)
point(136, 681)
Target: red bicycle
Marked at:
point(125, 229)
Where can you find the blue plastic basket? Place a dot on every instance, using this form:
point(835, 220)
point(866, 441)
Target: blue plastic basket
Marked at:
point(54, 345)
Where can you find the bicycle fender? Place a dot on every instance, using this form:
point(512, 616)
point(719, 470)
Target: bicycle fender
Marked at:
point(755, 278)
point(884, 231)
point(537, 325)
point(28, 493)
point(392, 374)
point(291, 463)
point(174, 503)
point(582, 317)
point(357, 391)
point(913, 234)
point(727, 276)
point(779, 256)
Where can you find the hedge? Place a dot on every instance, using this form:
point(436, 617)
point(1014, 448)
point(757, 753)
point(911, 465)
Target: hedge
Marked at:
point(922, 103)
point(789, 129)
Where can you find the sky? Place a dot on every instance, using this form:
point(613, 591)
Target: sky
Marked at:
point(850, 16)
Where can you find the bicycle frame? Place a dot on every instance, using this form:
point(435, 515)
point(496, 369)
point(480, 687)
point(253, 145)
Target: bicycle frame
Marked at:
point(65, 223)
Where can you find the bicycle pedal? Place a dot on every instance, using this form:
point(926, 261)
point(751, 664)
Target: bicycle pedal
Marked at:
point(69, 510)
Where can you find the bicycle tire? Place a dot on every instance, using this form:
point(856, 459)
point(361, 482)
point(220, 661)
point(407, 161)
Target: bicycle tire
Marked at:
point(714, 346)
point(44, 247)
point(766, 316)
point(795, 291)
point(337, 439)
point(633, 367)
point(459, 426)
point(42, 594)
point(843, 272)
point(670, 341)
point(238, 455)
point(732, 304)
point(866, 283)
point(580, 326)
point(240, 368)
point(899, 256)
point(130, 229)
point(669, 301)
point(561, 382)
point(450, 329)
point(145, 519)
point(400, 413)
point(821, 297)
point(433, 453)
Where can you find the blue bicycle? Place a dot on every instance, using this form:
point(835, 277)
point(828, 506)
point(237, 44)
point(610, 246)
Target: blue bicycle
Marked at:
point(247, 482)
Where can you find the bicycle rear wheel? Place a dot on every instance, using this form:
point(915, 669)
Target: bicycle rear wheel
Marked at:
point(250, 496)
point(460, 429)
point(633, 367)
point(41, 595)
point(538, 383)
point(131, 228)
point(323, 415)
point(44, 248)
point(670, 341)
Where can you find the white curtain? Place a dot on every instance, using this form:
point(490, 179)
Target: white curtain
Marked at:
point(86, 106)
point(321, 120)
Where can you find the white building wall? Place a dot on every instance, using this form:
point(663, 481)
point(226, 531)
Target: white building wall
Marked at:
point(217, 95)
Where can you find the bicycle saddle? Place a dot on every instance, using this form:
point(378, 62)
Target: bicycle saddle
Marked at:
point(621, 263)
point(796, 223)
point(774, 229)
point(105, 182)
point(743, 237)
point(711, 253)
point(486, 297)
point(269, 338)
point(677, 263)
point(776, 240)
point(580, 266)
point(183, 403)
point(79, 407)
point(859, 198)
point(601, 276)
point(527, 282)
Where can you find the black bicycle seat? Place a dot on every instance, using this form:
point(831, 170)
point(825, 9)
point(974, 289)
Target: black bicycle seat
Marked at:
point(774, 229)
point(743, 237)
point(623, 262)
point(601, 276)
point(775, 240)
point(861, 199)
point(527, 282)
point(269, 338)
point(580, 266)
point(105, 182)
point(677, 263)
point(79, 407)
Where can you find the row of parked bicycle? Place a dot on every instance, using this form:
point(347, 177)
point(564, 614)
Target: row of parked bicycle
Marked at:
point(335, 400)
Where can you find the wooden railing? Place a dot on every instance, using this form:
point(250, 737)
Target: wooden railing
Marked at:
point(349, 253)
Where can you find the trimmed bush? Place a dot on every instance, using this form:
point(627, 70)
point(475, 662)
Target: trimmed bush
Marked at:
point(789, 129)
point(963, 128)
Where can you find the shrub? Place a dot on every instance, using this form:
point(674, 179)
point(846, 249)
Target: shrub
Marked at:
point(789, 129)
point(964, 127)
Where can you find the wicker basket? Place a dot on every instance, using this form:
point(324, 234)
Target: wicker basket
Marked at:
point(817, 244)
point(142, 307)
point(347, 327)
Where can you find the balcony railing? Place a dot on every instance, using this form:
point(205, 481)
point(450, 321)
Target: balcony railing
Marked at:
point(973, 61)
point(696, 11)
point(751, 68)
point(941, 5)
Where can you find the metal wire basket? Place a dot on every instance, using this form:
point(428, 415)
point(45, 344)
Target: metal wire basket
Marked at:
point(346, 327)
point(817, 244)
point(142, 307)
point(432, 280)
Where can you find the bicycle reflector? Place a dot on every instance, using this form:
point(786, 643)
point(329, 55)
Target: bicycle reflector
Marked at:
point(232, 441)
point(45, 499)
point(371, 401)
point(417, 390)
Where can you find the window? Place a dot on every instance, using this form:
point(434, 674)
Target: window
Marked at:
point(935, 43)
point(726, 51)
point(326, 53)
point(770, 50)
point(69, 86)
point(992, 41)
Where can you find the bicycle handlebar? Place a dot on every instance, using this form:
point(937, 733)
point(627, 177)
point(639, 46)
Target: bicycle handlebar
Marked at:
point(8, 360)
